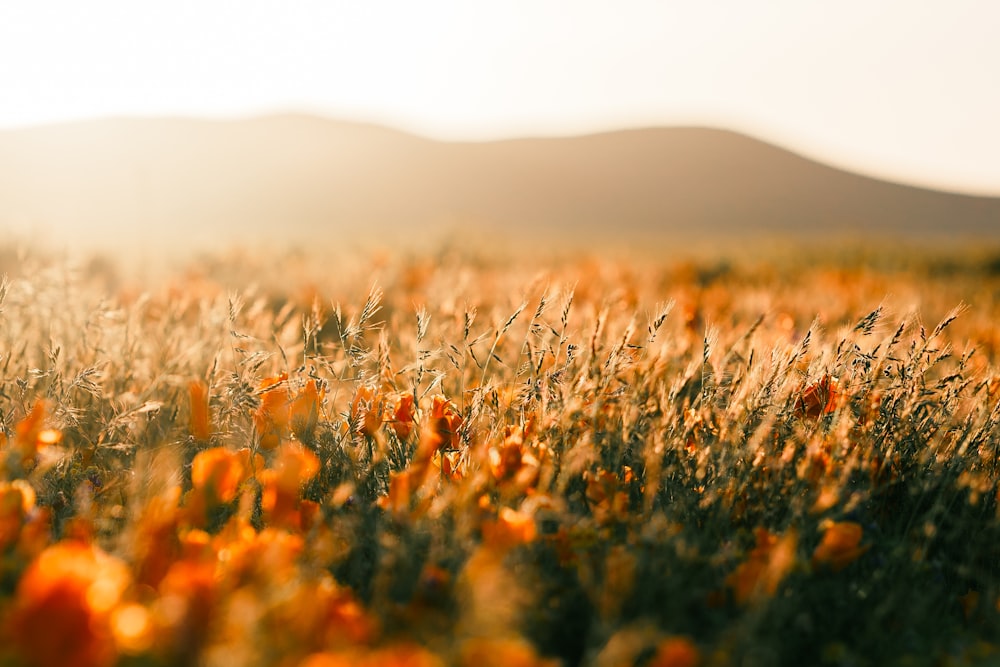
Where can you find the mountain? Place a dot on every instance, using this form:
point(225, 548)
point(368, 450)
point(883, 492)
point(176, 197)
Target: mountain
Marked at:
point(300, 179)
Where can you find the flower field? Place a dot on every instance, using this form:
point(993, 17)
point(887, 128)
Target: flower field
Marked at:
point(443, 459)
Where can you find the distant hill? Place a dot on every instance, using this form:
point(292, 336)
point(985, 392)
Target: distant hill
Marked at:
point(297, 178)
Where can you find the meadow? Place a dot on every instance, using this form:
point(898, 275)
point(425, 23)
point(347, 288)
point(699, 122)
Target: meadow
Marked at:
point(456, 458)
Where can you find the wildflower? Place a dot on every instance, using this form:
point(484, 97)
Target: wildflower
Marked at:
point(366, 410)
point(440, 433)
point(155, 546)
point(398, 655)
point(696, 427)
point(403, 655)
point(321, 615)
point(827, 497)
point(216, 477)
point(450, 464)
point(820, 398)
point(132, 627)
point(17, 499)
point(272, 415)
point(510, 529)
point(839, 546)
point(403, 416)
point(768, 564)
point(200, 427)
point(182, 613)
point(675, 652)
point(63, 607)
point(219, 472)
point(281, 413)
point(445, 421)
point(514, 469)
point(327, 659)
point(398, 500)
point(30, 428)
point(31, 434)
point(294, 467)
point(304, 410)
point(501, 652)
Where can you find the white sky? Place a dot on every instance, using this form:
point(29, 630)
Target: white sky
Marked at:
point(904, 89)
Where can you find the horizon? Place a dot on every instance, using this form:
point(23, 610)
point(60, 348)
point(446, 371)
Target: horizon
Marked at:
point(910, 101)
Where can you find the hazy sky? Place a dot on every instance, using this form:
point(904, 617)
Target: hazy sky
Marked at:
point(908, 89)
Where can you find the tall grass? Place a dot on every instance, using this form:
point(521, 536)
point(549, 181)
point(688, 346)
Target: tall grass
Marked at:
point(432, 460)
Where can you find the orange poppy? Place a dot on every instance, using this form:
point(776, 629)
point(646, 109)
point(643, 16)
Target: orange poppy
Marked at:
point(840, 545)
point(820, 398)
point(403, 416)
point(675, 652)
point(366, 410)
point(272, 415)
point(32, 435)
point(304, 410)
point(294, 467)
point(65, 598)
point(17, 498)
point(501, 652)
point(445, 421)
point(768, 564)
point(508, 530)
point(218, 472)
point(200, 426)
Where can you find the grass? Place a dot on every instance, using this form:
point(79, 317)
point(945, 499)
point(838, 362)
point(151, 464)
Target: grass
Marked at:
point(301, 460)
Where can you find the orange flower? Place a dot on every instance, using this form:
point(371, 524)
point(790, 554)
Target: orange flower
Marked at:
point(510, 529)
point(294, 467)
point(820, 398)
point(403, 416)
point(676, 652)
point(280, 413)
point(440, 432)
point(155, 545)
point(496, 652)
point(304, 411)
point(445, 421)
point(398, 500)
point(318, 614)
point(29, 428)
point(17, 498)
point(366, 410)
point(767, 565)
point(65, 599)
point(132, 627)
point(272, 415)
point(398, 655)
point(403, 655)
point(514, 469)
point(184, 609)
point(839, 546)
point(450, 464)
point(31, 435)
point(326, 659)
point(200, 427)
point(218, 472)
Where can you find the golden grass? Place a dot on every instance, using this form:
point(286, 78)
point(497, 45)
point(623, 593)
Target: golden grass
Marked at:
point(307, 460)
